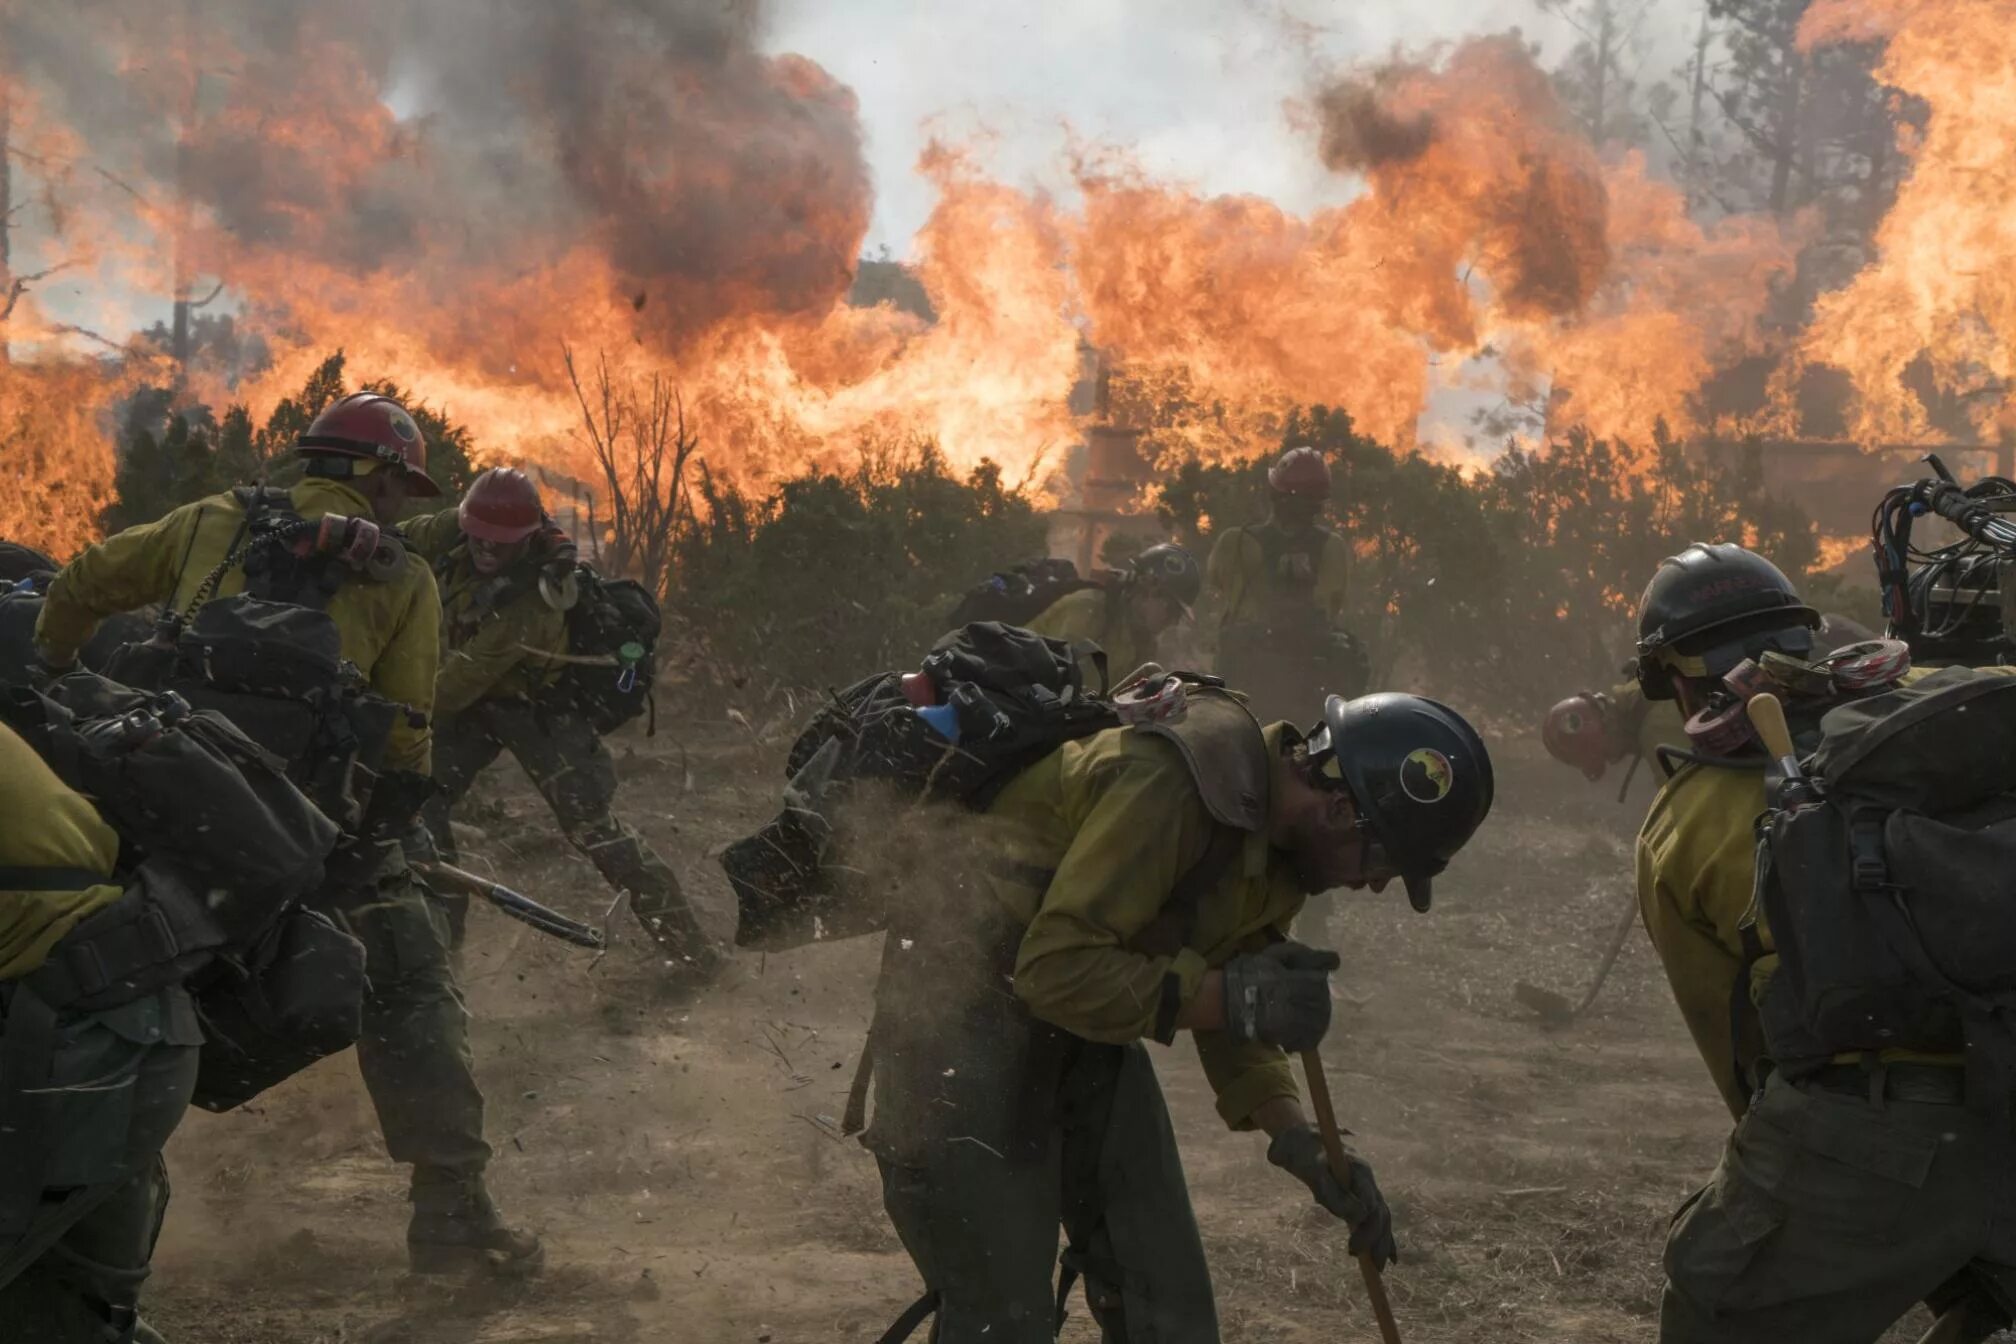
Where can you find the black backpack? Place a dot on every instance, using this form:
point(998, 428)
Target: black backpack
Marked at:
point(614, 626)
point(270, 660)
point(1887, 876)
point(1019, 595)
point(184, 786)
point(1004, 699)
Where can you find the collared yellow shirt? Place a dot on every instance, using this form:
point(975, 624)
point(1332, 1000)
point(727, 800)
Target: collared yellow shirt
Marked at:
point(1116, 817)
point(389, 629)
point(506, 653)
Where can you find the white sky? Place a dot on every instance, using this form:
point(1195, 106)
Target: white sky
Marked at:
point(1195, 88)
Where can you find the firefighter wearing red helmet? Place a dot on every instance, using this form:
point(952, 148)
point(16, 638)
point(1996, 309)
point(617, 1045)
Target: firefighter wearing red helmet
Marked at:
point(1279, 591)
point(334, 550)
point(507, 578)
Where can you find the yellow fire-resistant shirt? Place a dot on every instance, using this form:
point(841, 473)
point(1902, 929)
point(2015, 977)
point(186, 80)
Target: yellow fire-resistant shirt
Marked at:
point(1697, 867)
point(46, 824)
point(1242, 589)
point(1653, 723)
point(1097, 614)
point(489, 651)
point(390, 629)
point(1117, 818)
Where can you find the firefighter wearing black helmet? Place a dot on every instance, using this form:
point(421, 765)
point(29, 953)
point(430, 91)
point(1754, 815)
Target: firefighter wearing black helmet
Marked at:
point(1125, 618)
point(1839, 1201)
point(1132, 885)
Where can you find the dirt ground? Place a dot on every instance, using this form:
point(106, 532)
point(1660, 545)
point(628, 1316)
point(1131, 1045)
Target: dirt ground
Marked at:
point(680, 1153)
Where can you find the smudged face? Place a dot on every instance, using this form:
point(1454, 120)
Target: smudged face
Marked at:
point(489, 558)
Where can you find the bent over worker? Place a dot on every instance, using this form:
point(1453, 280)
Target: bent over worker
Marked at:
point(504, 644)
point(1851, 1190)
point(1127, 887)
point(364, 458)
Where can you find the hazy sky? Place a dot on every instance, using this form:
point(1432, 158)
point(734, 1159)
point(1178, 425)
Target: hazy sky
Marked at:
point(1194, 87)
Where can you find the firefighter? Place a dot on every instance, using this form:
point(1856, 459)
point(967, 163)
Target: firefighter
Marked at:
point(1127, 617)
point(1842, 1197)
point(504, 638)
point(364, 457)
point(1278, 588)
point(84, 1114)
point(1126, 887)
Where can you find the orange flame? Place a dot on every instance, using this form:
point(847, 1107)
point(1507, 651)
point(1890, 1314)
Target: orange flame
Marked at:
point(1944, 284)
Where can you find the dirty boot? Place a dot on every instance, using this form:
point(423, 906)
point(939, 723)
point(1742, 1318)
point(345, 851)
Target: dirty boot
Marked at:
point(668, 919)
point(456, 1229)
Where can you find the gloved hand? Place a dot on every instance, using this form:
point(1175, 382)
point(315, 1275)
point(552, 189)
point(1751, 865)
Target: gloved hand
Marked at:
point(1299, 1152)
point(1280, 995)
point(417, 842)
point(555, 549)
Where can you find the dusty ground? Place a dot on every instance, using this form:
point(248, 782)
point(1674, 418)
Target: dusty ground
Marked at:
point(677, 1154)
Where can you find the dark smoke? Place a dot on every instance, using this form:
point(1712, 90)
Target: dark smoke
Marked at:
point(450, 137)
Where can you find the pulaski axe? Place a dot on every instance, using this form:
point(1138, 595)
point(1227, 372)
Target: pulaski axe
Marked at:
point(520, 907)
point(1340, 1167)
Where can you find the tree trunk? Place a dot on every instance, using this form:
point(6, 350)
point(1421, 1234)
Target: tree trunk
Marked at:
point(1786, 133)
point(1600, 87)
point(1696, 141)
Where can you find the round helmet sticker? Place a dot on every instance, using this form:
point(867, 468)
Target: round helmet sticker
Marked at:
point(403, 426)
point(1425, 775)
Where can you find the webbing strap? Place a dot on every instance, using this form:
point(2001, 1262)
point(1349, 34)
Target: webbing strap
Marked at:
point(27, 1055)
point(913, 1316)
point(25, 877)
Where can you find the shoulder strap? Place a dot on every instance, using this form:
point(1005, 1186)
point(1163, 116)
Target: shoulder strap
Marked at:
point(1176, 923)
point(34, 877)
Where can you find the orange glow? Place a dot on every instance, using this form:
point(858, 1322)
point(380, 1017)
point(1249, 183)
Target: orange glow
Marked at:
point(1944, 281)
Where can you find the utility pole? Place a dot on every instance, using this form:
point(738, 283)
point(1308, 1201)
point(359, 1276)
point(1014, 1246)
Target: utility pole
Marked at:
point(1696, 140)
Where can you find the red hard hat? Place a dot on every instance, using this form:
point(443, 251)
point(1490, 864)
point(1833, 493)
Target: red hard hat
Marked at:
point(502, 506)
point(367, 425)
point(1301, 471)
point(1577, 733)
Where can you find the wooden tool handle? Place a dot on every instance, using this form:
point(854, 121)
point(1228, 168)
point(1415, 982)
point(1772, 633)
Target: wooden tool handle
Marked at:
point(1340, 1167)
point(1768, 716)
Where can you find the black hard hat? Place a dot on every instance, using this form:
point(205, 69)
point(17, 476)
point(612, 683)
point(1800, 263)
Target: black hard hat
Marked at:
point(1710, 607)
point(1168, 569)
point(1418, 772)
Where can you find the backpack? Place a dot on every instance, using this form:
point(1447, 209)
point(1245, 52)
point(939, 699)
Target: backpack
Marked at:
point(989, 701)
point(612, 637)
point(181, 786)
point(1887, 876)
point(1019, 595)
point(269, 658)
point(220, 848)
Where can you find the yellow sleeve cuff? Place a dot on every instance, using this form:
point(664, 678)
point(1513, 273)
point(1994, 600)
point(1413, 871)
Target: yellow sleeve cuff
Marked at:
point(1254, 1088)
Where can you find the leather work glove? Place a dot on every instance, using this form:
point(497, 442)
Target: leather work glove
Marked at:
point(1299, 1152)
point(1280, 995)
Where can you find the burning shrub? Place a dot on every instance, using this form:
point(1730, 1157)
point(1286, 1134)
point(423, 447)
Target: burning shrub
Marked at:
point(833, 576)
point(169, 455)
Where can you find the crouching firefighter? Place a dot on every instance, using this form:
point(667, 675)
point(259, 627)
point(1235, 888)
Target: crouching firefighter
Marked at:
point(111, 915)
point(1128, 886)
point(1870, 1164)
point(511, 681)
point(299, 615)
point(1128, 615)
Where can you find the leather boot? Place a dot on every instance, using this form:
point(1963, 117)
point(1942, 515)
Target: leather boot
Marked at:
point(456, 1228)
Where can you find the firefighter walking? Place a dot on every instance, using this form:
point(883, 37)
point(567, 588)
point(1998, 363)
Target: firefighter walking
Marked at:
point(364, 458)
point(504, 646)
point(1279, 591)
